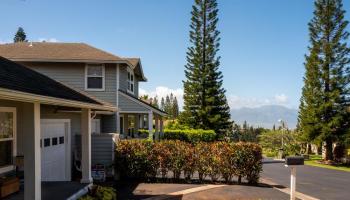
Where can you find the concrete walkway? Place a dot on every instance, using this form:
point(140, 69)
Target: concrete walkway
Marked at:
point(162, 191)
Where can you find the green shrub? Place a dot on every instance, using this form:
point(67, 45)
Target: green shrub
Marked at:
point(190, 135)
point(146, 159)
point(100, 193)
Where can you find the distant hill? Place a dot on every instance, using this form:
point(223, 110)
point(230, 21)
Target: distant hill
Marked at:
point(265, 116)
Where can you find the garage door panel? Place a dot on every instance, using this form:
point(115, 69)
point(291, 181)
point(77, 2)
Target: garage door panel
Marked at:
point(54, 150)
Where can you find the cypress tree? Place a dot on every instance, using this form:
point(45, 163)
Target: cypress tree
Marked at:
point(205, 103)
point(175, 107)
point(20, 36)
point(162, 104)
point(323, 112)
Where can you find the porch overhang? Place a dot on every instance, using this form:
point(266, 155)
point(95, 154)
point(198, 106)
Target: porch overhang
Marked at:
point(15, 95)
point(141, 103)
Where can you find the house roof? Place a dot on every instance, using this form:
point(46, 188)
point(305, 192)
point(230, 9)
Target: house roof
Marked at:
point(64, 52)
point(28, 51)
point(161, 112)
point(16, 77)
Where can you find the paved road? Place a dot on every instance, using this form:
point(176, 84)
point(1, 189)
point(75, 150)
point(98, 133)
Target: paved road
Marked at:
point(314, 181)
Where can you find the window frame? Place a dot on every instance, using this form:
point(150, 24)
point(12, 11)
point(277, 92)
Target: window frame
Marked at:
point(87, 77)
point(129, 82)
point(8, 168)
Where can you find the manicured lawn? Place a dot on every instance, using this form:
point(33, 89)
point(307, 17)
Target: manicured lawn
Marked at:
point(313, 162)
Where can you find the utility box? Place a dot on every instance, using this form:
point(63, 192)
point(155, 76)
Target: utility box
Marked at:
point(294, 160)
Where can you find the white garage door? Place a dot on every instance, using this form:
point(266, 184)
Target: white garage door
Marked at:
point(55, 150)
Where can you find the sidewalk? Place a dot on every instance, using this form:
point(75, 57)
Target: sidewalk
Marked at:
point(162, 191)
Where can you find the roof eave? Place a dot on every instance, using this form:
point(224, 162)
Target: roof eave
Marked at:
point(28, 97)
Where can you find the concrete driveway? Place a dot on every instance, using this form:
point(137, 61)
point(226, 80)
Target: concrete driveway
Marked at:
point(313, 181)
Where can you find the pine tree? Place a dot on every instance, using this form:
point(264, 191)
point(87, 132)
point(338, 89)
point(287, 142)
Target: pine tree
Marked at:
point(162, 104)
point(175, 107)
point(167, 106)
point(154, 102)
point(323, 112)
point(205, 103)
point(20, 35)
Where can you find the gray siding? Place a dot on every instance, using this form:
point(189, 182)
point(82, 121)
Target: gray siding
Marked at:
point(102, 148)
point(123, 80)
point(73, 74)
point(126, 104)
point(108, 124)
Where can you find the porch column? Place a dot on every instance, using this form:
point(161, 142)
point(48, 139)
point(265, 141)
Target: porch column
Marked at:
point(117, 118)
point(161, 127)
point(137, 124)
point(126, 125)
point(32, 151)
point(150, 124)
point(86, 146)
point(157, 135)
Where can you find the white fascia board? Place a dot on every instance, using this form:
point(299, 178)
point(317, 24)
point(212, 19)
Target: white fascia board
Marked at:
point(27, 97)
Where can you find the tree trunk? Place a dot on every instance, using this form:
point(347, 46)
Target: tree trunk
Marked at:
point(308, 148)
point(329, 149)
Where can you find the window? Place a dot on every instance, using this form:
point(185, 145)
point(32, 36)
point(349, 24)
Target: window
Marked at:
point(131, 81)
point(7, 138)
point(95, 77)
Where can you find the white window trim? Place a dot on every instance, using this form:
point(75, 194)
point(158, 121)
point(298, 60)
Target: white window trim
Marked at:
point(129, 70)
point(103, 77)
point(14, 138)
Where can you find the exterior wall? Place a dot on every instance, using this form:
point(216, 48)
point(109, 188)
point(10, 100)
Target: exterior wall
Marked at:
point(73, 75)
point(108, 124)
point(126, 104)
point(123, 80)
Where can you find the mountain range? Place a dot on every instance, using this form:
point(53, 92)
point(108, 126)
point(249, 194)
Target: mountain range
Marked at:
point(265, 116)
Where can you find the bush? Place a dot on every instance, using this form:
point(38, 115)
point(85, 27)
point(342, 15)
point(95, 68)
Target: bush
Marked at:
point(145, 159)
point(100, 193)
point(190, 135)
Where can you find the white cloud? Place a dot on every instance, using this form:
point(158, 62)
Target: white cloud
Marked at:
point(162, 91)
point(237, 102)
point(281, 98)
point(48, 40)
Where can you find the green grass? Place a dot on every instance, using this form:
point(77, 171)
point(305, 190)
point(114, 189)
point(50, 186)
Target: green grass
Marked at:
point(313, 162)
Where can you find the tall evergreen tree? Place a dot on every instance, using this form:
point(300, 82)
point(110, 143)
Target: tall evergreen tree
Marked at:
point(162, 104)
point(175, 107)
point(167, 105)
point(205, 103)
point(323, 112)
point(20, 35)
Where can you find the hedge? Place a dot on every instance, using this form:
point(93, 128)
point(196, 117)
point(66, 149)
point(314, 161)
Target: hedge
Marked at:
point(190, 135)
point(142, 159)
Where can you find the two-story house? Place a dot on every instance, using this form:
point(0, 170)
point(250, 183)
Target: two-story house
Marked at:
point(97, 74)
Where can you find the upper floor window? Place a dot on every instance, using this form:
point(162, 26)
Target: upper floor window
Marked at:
point(95, 77)
point(131, 82)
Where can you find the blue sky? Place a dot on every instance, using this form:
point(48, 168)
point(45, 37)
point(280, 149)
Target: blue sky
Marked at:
point(262, 47)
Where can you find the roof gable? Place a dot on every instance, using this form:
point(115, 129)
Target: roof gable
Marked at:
point(14, 76)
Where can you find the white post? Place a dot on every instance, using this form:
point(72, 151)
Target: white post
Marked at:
point(117, 118)
point(156, 119)
point(150, 124)
point(293, 182)
point(137, 125)
point(32, 151)
point(161, 127)
point(86, 146)
point(126, 125)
